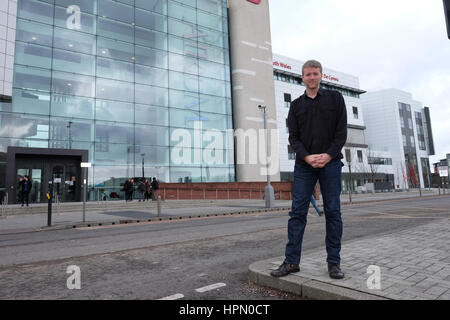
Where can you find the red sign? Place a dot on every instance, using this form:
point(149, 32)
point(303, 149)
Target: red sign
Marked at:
point(281, 64)
point(255, 1)
point(325, 76)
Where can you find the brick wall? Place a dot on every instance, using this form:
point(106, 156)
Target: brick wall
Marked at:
point(223, 191)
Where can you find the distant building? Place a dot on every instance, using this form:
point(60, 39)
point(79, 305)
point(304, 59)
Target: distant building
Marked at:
point(401, 125)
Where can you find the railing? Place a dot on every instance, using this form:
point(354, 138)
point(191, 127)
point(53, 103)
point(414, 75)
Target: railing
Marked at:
point(5, 202)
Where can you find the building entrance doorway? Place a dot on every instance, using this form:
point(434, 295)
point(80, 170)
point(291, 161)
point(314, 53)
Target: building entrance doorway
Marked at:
point(64, 172)
point(61, 167)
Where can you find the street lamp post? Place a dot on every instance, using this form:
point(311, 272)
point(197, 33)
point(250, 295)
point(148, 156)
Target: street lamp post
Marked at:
point(70, 134)
point(143, 155)
point(269, 194)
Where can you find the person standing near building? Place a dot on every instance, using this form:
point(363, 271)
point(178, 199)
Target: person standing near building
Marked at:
point(155, 187)
point(25, 189)
point(148, 190)
point(128, 187)
point(141, 189)
point(317, 123)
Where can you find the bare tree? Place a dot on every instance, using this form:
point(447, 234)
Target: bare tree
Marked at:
point(373, 164)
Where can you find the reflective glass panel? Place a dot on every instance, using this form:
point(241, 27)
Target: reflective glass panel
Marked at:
point(33, 55)
point(213, 53)
point(113, 175)
point(149, 38)
point(183, 81)
point(32, 78)
point(211, 37)
point(34, 32)
point(212, 87)
point(213, 121)
point(150, 20)
point(151, 76)
point(183, 46)
point(159, 6)
point(151, 57)
point(145, 114)
point(183, 64)
point(73, 84)
point(88, 6)
point(115, 49)
point(113, 154)
point(114, 111)
point(185, 174)
point(212, 6)
point(114, 90)
point(115, 30)
point(73, 62)
point(114, 69)
point(29, 101)
point(71, 106)
point(209, 21)
point(151, 135)
point(69, 129)
point(114, 132)
point(183, 118)
point(214, 104)
point(74, 41)
point(115, 10)
point(35, 10)
point(151, 95)
point(212, 70)
point(28, 126)
point(182, 12)
point(153, 156)
point(184, 100)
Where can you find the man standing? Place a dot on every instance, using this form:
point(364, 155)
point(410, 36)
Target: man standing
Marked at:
point(155, 187)
point(317, 124)
point(25, 189)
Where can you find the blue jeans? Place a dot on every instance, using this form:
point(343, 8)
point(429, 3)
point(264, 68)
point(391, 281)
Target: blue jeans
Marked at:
point(305, 178)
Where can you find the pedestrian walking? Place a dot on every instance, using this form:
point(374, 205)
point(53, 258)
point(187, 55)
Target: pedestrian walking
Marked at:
point(317, 123)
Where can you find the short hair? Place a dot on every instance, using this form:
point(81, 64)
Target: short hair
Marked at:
point(311, 64)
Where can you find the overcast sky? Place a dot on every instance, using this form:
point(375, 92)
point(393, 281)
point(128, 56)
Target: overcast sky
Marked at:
point(398, 44)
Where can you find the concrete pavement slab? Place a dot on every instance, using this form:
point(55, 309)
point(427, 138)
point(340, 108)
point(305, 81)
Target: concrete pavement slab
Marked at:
point(383, 275)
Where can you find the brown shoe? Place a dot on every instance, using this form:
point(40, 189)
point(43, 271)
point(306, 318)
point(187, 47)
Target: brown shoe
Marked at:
point(285, 269)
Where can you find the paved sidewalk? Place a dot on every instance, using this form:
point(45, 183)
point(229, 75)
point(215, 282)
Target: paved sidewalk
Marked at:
point(413, 264)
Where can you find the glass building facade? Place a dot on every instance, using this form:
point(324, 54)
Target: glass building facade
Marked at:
point(122, 79)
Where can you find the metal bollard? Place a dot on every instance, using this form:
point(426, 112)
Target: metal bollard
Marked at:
point(50, 200)
point(158, 205)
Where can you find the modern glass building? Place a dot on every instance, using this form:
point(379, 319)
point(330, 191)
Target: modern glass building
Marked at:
point(131, 86)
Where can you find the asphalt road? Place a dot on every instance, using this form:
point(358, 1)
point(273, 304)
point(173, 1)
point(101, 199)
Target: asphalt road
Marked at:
point(203, 258)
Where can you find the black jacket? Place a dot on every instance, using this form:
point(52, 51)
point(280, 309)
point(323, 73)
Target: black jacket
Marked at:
point(22, 186)
point(318, 125)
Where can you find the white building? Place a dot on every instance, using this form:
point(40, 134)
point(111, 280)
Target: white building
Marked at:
point(399, 124)
point(288, 87)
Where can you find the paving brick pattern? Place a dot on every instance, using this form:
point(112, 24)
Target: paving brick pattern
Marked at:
point(414, 263)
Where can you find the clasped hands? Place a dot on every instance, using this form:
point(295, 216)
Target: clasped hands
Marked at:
point(318, 160)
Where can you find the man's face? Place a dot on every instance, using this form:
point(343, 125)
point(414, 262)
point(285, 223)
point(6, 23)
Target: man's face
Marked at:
point(311, 77)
